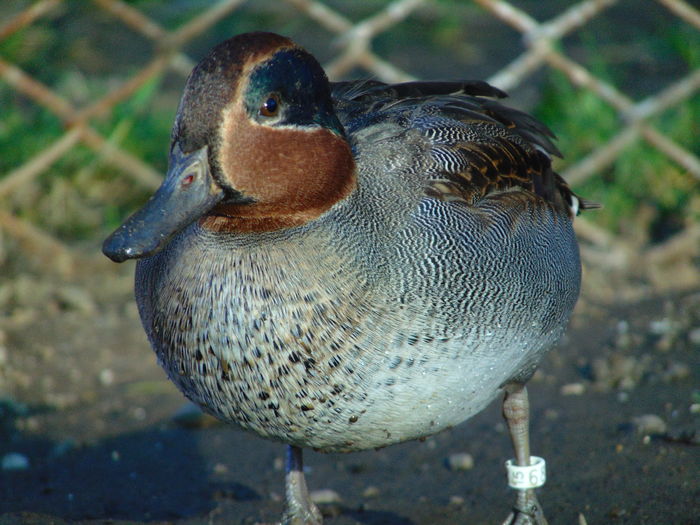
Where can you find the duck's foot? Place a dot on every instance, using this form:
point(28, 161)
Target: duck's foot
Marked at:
point(308, 517)
point(300, 509)
point(525, 473)
point(526, 511)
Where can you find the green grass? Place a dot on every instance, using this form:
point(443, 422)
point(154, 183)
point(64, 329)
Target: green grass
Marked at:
point(642, 190)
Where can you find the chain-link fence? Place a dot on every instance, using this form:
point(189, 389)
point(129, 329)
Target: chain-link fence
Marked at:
point(149, 43)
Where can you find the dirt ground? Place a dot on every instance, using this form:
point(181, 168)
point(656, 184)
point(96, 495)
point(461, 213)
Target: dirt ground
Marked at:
point(93, 433)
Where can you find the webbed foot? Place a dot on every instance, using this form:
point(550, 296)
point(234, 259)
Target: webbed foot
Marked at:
point(300, 509)
point(526, 511)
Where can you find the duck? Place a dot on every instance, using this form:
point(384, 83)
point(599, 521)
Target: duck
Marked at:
point(343, 266)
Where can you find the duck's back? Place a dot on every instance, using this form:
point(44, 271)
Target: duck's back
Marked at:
point(474, 147)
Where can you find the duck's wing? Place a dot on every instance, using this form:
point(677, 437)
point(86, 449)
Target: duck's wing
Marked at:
point(479, 147)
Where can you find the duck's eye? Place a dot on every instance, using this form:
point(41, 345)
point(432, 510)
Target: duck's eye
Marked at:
point(271, 106)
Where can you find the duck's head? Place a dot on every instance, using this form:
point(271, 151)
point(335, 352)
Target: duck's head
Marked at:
point(256, 146)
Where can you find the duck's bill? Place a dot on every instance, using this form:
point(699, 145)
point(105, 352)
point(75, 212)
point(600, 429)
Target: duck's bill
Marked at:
point(187, 193)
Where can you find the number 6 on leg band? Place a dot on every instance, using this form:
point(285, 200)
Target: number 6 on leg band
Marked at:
point(530, 477)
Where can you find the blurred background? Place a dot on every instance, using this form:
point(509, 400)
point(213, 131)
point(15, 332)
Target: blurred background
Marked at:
point(88, 93)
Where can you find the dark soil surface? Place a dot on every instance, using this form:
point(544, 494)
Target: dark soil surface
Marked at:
point(92, 432)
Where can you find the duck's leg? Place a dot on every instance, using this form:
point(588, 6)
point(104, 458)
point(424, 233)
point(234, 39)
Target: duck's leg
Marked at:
point(300, 509)
point(516, 411)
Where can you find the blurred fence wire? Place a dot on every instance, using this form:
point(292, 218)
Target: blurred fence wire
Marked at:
point(353, 50)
